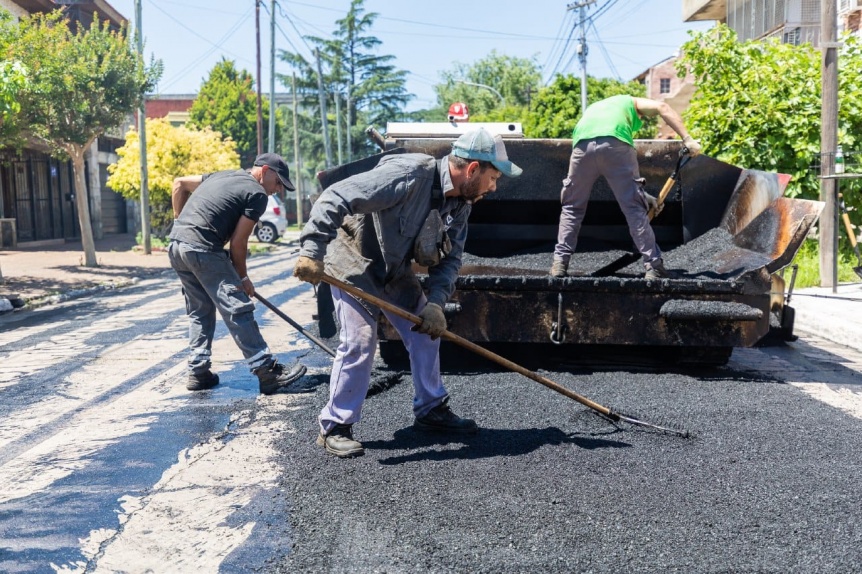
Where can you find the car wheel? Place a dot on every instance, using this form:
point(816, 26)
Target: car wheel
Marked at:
point(267, 233)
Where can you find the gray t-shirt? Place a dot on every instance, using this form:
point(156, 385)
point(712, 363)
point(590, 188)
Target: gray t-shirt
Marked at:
point(211, 214)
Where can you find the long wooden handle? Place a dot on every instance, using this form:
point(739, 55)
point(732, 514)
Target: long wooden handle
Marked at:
point(471, 346)
point(850, 233)
point(662, 195)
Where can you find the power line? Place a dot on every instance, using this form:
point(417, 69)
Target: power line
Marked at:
point(215, 46)
point(566, 22)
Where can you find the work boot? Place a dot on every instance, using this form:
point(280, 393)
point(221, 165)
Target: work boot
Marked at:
point(202, 381)
point(559, 269)
point(339, 442)
point(274, 376)
point(442, 419)
point(659, 271)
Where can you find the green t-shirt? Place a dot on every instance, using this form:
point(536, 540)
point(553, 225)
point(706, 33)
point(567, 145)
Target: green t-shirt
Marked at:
point(615, 116)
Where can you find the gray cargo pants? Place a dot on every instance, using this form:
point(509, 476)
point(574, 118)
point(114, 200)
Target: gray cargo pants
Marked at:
point(617, 161)
point(210, 282)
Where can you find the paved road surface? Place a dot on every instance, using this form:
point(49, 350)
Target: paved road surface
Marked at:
point(109, 464)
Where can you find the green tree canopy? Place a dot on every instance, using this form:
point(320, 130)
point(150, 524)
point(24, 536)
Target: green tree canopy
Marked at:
point(171, 152)
point(369, 87)
point(516, 80)
point(227, 103)
point(557, 108)
point(82, 83)
point(758, 104)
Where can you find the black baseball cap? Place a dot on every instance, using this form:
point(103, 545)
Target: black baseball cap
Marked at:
point(273, 161)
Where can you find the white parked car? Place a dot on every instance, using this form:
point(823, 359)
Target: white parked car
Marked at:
point(272, 223)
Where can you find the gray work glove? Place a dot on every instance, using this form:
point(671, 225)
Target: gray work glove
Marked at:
point(308, 270)
point(692, 145)
point(653, 206)
point(433, 321)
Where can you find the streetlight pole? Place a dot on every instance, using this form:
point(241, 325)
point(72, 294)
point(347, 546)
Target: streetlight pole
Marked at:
point(142, 135)
point(499, 95)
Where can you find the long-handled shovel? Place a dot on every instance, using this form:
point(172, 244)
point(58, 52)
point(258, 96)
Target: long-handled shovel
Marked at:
point(294, 324)
point(605, 411)
point(850, 234)
point(630, 258)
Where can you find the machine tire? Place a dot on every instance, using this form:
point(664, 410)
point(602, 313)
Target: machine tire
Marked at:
point(266, 232)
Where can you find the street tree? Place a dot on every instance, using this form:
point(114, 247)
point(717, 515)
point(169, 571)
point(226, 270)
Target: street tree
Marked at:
point(371, 89)
point(227, 103)
point(758, 105)
point(495, 88)
point(13, 79)
point(557, 108)
point(82, 83)
point(171, 152)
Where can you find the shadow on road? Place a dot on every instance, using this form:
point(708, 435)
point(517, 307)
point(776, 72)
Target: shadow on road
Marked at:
point(487, 443)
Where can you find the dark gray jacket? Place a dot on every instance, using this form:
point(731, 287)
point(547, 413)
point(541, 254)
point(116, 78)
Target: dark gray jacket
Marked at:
point(370, 222)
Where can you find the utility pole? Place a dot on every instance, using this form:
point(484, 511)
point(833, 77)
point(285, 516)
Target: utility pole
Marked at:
point(828, 142)
point(338, 122)
point(296, 160)
point(142, 135)
point(270, 147)
point(583, 50)
point(322, 94)
point(259, 100)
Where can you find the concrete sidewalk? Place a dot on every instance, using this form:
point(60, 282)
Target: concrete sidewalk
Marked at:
point(50, 272)
point(836, 317)
point(46, 274)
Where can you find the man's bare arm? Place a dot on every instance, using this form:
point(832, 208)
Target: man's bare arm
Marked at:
point(651, 108)
point(182, 190)
point(239, 251)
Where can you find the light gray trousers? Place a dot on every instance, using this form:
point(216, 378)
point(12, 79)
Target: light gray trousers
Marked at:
point(617, 161)
point(210, 282)
point(354, 359)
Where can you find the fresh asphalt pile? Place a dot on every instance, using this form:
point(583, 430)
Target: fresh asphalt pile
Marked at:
point(696, 259)
point(768, 484)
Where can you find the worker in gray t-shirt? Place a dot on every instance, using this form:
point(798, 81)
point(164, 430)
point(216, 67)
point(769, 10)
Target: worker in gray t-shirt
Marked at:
point(225, 206)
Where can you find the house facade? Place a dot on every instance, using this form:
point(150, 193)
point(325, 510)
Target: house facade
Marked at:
point(37, 191)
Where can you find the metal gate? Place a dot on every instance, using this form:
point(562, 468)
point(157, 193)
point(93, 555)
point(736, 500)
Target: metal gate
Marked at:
point(38, 194)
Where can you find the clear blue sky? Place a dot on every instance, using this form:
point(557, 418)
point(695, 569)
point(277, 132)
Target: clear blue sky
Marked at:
point(625, 37)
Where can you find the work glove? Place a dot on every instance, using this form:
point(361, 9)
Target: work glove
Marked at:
point(433, 321)
point(653, 206)
point(308, 270)
point(692, 145)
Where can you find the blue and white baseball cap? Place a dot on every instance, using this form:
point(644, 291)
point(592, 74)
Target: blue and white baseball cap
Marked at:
point(480, 145)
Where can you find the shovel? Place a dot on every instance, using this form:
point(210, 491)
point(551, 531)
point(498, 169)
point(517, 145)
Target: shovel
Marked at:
point(294, 324)
point(609, 414)
point(850, 234)
point(630, 258)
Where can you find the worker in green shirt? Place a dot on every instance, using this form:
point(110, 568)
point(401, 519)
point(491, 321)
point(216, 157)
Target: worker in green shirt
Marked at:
point(603, 145)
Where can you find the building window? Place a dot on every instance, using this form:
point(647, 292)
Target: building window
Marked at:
point(664, 86)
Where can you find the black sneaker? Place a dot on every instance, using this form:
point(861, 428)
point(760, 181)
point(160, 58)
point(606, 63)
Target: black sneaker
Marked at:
point(202, 381)
point(442, 419)
point(276, 376)
point(339, 442)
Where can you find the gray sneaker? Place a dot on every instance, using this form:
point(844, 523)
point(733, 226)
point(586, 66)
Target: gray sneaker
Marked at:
point(659, 271)
point(274, 376)
point(339, 442)
point(559, 269)
point(442, 419)
point(202, 381)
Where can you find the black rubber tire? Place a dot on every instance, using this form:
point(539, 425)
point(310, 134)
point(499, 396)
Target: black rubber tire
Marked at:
point(266, 232)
